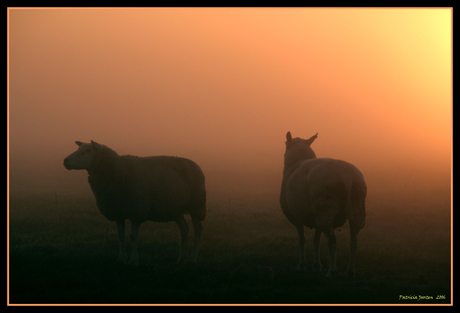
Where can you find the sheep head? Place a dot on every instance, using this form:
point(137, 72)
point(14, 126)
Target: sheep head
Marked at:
point(291, 141)
point(82, 159)
point(298, 148)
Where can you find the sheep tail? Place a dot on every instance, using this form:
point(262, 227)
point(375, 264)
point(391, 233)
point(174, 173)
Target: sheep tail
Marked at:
point(199, 205)
point(348, 184)
point(355, 203)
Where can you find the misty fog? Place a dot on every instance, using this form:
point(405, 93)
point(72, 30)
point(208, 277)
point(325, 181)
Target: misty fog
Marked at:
point(223, 86)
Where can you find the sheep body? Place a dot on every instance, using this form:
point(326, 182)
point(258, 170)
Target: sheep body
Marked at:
point(321, 193)
point(150, 188)
point(158, 188)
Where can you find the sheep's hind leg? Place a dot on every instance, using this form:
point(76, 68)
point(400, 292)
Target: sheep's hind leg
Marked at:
point(197, 228)
point(353, 247)
point(331, 242)
point(316, 260)
point(121, 242)
point(180, 221)
point(134, 258)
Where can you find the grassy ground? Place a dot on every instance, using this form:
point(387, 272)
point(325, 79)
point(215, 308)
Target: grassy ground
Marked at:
point(63, 251)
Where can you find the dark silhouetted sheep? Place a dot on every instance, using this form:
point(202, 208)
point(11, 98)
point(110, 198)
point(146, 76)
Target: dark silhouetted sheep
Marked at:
point(321, 193)
point(158, 188)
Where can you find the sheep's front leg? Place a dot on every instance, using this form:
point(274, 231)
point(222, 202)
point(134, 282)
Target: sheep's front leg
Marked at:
point(183, 239)
point(134, 258)
point(121, 242)
point(301, 238)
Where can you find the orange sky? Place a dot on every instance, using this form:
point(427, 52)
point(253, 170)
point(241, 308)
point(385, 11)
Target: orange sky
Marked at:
point(222, 86)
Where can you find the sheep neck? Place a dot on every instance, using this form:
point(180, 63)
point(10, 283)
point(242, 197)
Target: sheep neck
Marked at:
point(293, 161)
point(105, 165)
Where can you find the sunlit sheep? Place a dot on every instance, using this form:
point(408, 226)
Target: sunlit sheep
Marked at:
point(158, 188)
point(321, 193)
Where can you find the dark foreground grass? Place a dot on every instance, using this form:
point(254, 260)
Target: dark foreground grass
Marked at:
point(64, 252)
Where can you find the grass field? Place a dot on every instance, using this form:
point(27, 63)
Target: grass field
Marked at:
point(62, 250)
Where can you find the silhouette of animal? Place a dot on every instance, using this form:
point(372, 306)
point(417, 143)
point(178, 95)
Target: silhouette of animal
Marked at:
point(321, 193)
point(157, 188)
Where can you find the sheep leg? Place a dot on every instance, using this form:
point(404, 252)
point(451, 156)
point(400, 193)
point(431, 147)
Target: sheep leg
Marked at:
point(183, 226)
point(198, 229)
point(316, 260)
point(121, 242)
point(134, 258)
point(331, 242)
point(353, 247)
point(301, 238)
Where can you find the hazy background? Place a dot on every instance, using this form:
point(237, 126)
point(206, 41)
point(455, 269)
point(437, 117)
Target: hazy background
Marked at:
point(222, 86)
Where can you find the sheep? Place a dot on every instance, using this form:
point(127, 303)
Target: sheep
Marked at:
point(321, 193)
point(157, 188)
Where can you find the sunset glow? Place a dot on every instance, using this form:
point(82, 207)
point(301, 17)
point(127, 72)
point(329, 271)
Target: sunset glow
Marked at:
point(223, 85)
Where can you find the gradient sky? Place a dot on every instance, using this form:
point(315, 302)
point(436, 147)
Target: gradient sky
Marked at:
point(222, 86)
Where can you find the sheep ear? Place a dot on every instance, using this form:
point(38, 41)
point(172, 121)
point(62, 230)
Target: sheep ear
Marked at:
point(289, 138)
point(79, 143)
point(311, 139)
point(96, 145)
